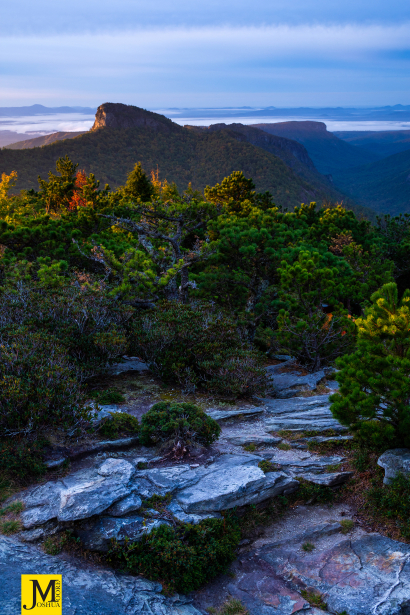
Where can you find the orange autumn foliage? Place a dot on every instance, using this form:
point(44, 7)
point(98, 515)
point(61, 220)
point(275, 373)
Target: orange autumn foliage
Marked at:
point(78, 200)
point(328, 321)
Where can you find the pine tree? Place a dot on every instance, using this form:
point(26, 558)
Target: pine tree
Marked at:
point(374, 397)
point(138, 186)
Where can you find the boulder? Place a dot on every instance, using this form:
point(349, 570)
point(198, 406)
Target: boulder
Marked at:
point(234, 480)
point(300, 414)
point(310, 463)
point(393, 462)
point(78, 496)
point(86, 590)
point(290, 384)
point(175, 509)
point(127, 365)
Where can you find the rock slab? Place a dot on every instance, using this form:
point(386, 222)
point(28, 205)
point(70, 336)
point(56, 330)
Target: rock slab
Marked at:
point(291, 384)
point(79, 496)
point(85, 590)
point(368, 576)
point(300, 414)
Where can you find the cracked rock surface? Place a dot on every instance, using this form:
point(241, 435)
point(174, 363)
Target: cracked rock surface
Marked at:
point(86, 590)
point(355, 573)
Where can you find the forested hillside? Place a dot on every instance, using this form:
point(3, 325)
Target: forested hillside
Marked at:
point(123, 135)
point(383, 143)
point(384, 185)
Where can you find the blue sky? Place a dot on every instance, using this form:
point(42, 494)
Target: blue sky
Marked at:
point(162, 53)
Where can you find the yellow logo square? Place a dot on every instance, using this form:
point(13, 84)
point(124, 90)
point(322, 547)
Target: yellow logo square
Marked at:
point(39, 591)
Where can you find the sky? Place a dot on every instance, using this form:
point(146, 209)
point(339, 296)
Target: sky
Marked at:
point(205, 53)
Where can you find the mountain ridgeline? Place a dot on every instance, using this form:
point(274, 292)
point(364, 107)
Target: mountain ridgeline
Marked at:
point(123, 135)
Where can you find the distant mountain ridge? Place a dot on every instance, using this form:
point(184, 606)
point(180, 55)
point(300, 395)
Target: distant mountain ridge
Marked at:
point(41, 110)
point(329, 154)
point(46, 140)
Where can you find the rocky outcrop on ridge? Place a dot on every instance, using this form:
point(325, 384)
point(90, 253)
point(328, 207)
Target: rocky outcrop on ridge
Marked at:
point(117, 115)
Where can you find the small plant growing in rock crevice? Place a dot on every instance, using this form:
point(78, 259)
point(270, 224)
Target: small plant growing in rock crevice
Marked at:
point(267, 466)
point(230, 607)
point(250, 447)
point(10, 527)
point(308, 547)
point(347, 525)
point(284, 446)
point(314, 599)
point(9, 521)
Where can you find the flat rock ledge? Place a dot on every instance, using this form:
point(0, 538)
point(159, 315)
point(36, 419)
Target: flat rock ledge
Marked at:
point(104, 502)
point(85, 590)
point(300, 414)
point(356, 575)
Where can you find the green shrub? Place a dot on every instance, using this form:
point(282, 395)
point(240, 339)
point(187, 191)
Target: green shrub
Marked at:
point(22, 461)
point(393, 501)
point(182, 558)
point(37, 387)
point(175, 423)
point(374, 395)
point(198, 346)
point(308, 547)
point(85, 322)
point(109, 396)
point(119, 424)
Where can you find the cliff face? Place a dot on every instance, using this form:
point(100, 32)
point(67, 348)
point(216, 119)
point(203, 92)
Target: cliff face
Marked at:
point(117, 115)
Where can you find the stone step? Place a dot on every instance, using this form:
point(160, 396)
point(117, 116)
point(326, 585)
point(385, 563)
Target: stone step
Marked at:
point(300, 414)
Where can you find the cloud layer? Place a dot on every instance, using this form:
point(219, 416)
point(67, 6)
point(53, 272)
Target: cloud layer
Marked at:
point(165, 65)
